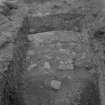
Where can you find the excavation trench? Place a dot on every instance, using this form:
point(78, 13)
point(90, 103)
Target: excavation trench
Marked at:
point(13, 83)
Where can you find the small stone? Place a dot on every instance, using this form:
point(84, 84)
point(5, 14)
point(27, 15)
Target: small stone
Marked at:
point(70, 66)
point(47, 65)
point(55, 84)
point(66, 65)
point(62, 50)
point(32, 66)
point(31, 52)
point(69, 77)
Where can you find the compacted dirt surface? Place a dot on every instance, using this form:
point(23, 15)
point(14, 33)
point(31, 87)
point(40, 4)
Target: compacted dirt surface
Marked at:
point(52, 52)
